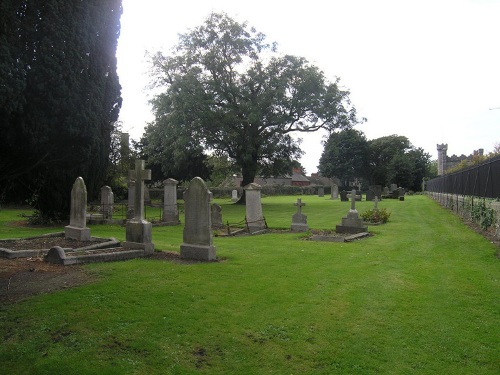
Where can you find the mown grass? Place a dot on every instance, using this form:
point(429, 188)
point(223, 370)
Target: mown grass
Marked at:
point(419, 297)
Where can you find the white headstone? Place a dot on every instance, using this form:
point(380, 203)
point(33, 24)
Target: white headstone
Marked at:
point(107, 202)
point(255, 218)
point(170, 209)
point(234, 195)
point(77, 229)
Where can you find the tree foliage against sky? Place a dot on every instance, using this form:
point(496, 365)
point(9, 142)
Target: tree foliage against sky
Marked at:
point(59, 97)
point(228, 90)
point(381, 161)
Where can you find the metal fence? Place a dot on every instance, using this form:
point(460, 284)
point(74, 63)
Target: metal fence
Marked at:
point(482, 180)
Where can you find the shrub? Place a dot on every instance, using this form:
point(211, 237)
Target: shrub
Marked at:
point(376, 216)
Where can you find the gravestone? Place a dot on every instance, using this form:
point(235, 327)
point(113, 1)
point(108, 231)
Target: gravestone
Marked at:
point(197, 238)
point(254, 217)
point(386, 192)
point(370, 195)
point(377, 189)
point(357, 195)
point(77, 229)
point(321, 192)
point(107, 202)
point(401, 195)
point(395, 194)
point(170, 209)
point(138, 231)
point(335, 192)
point(147, 196)
point(299, 220)
point(343, 196)
point(216, 214)
point(375, 203)
point(352, 223)
point(131, 198)
point(393, 187)
point(234, 195)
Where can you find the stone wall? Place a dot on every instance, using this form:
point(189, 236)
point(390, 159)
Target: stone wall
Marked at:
point(464, 206)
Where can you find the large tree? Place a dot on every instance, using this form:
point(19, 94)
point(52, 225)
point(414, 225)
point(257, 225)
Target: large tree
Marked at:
point(345, 156)
point(60, 97)
point(232, 93)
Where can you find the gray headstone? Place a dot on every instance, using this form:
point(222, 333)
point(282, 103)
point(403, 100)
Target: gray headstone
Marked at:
point(197, 239)
point(370, 195)
point(138, 232)
point(234, 195)
point(216, 213)
point(393, 187)
point(170, 209)
point(321, 192)
point(77, 229)
point(107, 202)
point(299, 220)
point(352, 223)
point(335, 192)
point(375, 203)
point(254, 216)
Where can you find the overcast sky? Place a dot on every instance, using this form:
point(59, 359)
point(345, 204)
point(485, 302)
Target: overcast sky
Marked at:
point(426, 69)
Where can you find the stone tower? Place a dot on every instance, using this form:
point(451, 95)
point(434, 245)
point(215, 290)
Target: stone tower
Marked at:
point(442, 149)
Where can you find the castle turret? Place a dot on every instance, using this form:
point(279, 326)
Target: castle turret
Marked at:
point(442, 149)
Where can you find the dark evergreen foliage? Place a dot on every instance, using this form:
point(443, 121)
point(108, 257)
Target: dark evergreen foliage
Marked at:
point(59, 97)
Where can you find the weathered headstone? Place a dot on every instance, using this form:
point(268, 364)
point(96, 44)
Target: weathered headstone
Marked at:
point(147, 196)
point(401, 192)
point(335, 192)
point(138, 231)
point(107, 202)
point(170, 209)
point(234, 195)
point(352, 223)
point(343, 196)
point(386, 192)
point(299, 220)
point(370, 195)
point(377, 189)
point(321, 192)
point(375, 203)
point(254, 217)
point(197, 238)
point(357, 195)
point(131, 199)
point(77, 229)
point(393, 187)
point(216, 214)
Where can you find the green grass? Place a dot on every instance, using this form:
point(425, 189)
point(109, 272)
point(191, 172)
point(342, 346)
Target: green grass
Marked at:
point(419, 297)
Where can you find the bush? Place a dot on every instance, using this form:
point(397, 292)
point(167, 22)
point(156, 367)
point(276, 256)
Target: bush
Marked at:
point(376, 216)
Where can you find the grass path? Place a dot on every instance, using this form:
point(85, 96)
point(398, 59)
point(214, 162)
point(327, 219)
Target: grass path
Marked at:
point(422, 296)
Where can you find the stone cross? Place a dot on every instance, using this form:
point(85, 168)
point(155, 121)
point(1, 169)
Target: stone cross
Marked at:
point(139, 175)
point(375, 203)
point(299, 205)
point(353, 200)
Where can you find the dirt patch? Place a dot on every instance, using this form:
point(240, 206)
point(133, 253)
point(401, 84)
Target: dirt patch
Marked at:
point(24, 277)
point(41, 243)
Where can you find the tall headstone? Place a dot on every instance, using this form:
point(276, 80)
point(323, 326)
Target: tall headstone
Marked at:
point(255, 218)
point(375, 203)
point(107, 202)
point(77, 229)
point(352, 223)
point(197, 238)
point(335, 192)
point(234, 195)
point(343, 196)
point(321, 192)
point(299, 220)
point(131, 199)
point(216, 214)
point(170, 209)
point(138, 230)
point(370, 195)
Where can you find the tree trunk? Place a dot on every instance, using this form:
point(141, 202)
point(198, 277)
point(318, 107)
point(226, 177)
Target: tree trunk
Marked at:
point(248, 171)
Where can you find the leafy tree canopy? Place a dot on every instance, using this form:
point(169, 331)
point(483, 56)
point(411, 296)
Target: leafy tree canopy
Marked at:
point(230, 92)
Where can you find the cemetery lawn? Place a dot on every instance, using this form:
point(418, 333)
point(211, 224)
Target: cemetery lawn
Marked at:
point(420, 296)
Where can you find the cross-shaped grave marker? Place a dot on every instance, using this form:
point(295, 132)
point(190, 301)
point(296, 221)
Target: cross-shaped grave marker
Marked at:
point(353, 200)
point(375, 203)
point(299, 205)
point(139, 175)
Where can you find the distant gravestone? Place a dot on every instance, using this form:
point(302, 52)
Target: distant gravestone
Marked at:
point(107, 202)
point(395, 194)
point(138, 231)
point(299, 220)
point(375, 203)
point(386, 192)
point(77, 229)
point(343, 196)
point(234, 195)
point(335, 192)
point(370, 195)
point(321, 192)
point(216, 213)
point(131, 198)
point(352, 223)
point(197, 238)
point(254, 217)
point(377, 189)
point(170, 209)
point(401, 195)
point(393, 187)
point(147, 196)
